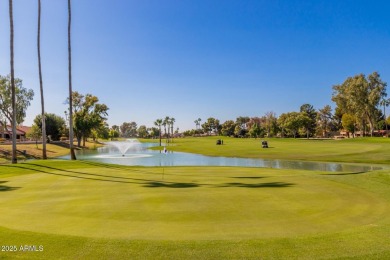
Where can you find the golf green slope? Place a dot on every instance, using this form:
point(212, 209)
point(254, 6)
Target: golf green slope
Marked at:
point(88, 210)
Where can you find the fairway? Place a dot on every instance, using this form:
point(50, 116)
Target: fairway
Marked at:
point(86, 200)
point(353, 150)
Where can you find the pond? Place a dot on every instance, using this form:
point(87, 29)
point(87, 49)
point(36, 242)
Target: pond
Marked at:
point(134, 153)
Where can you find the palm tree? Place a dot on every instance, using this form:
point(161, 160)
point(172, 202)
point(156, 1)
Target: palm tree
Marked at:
point(13, 93)
point(158, 123)
point(385, 103)
point(44, 156)
point(72, 154)
point(172, 121)
point(165, 123)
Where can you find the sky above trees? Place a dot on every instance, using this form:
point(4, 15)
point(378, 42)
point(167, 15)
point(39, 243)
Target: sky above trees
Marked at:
point(196, 59)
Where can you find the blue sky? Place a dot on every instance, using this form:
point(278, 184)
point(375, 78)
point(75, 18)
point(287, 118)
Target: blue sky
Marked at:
point(190, 59)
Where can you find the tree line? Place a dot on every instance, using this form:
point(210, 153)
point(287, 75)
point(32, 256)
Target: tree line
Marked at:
point(359, 102)
point(360, 106)
point(89, 117)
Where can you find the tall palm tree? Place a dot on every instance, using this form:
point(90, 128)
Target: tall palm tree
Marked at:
point(158, 123)
point(172, 121)
point(72, 154)
point(165, 124)
point(44, 156)
point(13, 92)
point(385, 103)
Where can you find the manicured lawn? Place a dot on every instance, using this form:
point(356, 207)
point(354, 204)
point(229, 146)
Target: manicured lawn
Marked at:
point(79, 210)
point(357, 150)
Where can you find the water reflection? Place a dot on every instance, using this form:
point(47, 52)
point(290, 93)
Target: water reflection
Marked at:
point(142, 156)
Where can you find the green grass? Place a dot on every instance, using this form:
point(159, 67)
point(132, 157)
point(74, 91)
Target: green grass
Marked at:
point(357, 150)
point(79, 210)
point(53, 150)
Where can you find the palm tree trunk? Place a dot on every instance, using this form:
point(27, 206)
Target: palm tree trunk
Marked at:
point(160, 134)
point(72, 154)
point(172, 132)
point(384, 114)
point(13, 93)
point(44, 156)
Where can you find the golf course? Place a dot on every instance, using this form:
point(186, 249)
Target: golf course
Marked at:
point(87, 210)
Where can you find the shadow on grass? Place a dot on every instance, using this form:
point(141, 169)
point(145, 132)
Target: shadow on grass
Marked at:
point(258, 185)
point(82, 175)
point(119, 167)
point(248, 177)
point(148, 183)
point(160, 184)
point(97, 164)
point(345, 173)
point(7, 188)
point(93, 177)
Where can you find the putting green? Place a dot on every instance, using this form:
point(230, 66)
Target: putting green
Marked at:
point(182, 203)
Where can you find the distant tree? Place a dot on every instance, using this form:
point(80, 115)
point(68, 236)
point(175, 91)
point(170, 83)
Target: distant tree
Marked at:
point(256, 131)
point(270, 123)
point(172, 122)
point(128, 129)
point(54, 125)
point(305, 122)
point(154, 132)
point(228, 128)
point(242, 121)
point(324, 117)
point(142, 132)
point(89, 115)
point(116, 128)
point(113, 133)
point(102, 131)
point(292, 122)
point(165, 123)
point(23, 99)
point(191, 132)
point(35, 134)
point(385, 103)
point(197, 123)
point(282, 122)
point(211, 125)
point(237, 130)
point(259, 121)
point(310, 122)
point(349, 122)
point(336, 119)
point(360, 96)
point(158, 123)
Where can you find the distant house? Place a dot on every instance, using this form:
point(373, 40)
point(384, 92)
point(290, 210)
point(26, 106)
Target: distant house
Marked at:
point(377, 133)
point(21, 132)
point(381, 133)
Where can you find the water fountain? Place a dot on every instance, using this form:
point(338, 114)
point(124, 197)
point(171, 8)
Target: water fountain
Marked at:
point(124, 146)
